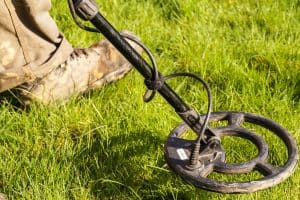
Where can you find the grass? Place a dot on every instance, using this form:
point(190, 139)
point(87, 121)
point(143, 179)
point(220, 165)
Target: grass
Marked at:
point(108, 144)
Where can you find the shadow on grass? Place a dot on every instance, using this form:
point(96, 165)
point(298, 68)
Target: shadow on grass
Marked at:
point(296, 95)
point(12, 98)
point(129, 166)
point(113, 164)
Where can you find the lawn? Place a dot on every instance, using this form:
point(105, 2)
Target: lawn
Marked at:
point(108, 144)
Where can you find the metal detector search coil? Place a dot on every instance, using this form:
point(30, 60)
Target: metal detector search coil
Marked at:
point(194, 160)
point(213, 155)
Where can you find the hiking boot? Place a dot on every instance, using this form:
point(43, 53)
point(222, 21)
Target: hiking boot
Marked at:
point(85, 69)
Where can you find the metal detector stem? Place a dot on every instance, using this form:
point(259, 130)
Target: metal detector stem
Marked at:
point(136, 60)
point(88, 10)
point(189, 158)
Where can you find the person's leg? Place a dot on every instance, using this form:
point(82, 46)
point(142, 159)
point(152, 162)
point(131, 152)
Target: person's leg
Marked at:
point(44, 61)
point(31, 44)
point(85, 69)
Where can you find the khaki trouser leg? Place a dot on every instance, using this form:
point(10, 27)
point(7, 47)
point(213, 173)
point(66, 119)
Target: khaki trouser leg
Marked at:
point(30, 43)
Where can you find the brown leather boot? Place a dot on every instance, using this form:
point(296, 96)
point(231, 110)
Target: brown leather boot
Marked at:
point(85, 69)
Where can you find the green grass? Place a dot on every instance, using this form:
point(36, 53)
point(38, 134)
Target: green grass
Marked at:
point(108, 144)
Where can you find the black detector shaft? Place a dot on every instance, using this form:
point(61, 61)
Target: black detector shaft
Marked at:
point(88, 10)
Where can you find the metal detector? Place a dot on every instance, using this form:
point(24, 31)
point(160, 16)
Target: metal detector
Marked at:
point(194, 160)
